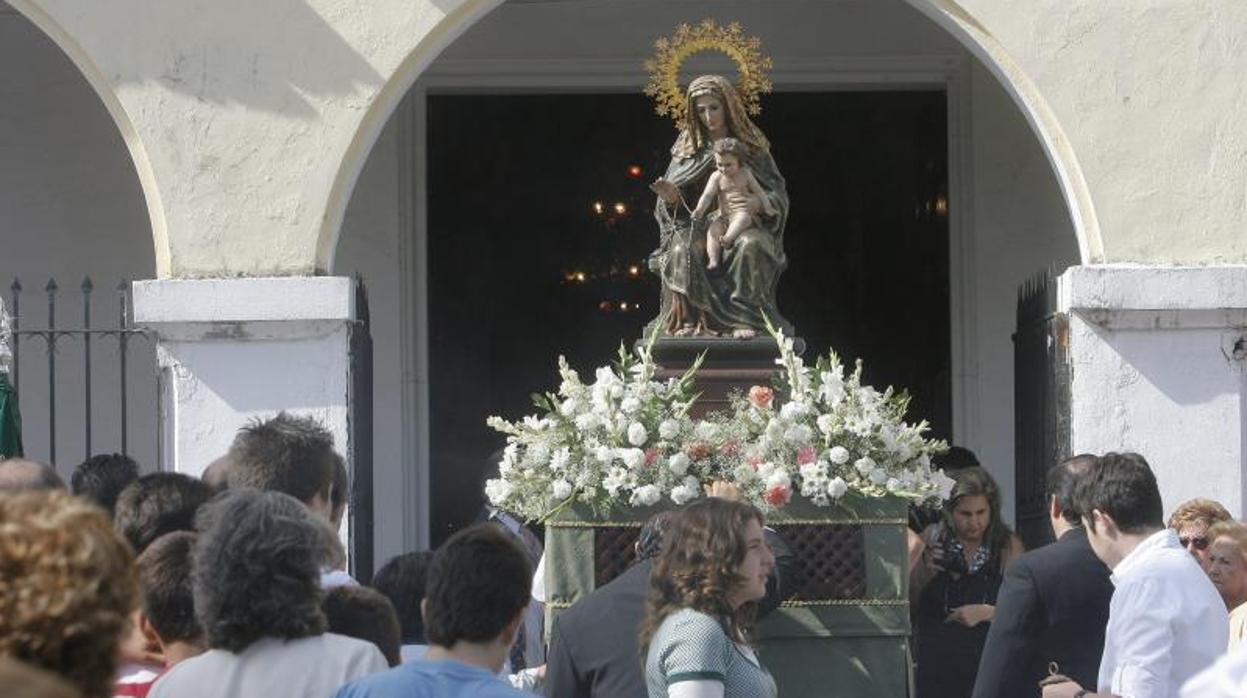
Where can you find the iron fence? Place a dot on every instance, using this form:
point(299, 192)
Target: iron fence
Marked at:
point(360, 439)
point(53, 337)
point(1040, 402)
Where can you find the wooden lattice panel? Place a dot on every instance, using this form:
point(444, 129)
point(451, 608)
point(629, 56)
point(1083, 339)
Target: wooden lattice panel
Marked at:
point(614, 550)
point(830, 561)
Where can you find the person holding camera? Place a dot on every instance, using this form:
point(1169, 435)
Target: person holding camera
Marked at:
point(953, 587)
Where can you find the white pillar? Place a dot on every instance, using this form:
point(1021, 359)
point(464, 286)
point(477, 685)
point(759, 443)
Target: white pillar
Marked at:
point(233, 349)
point(1157, 360)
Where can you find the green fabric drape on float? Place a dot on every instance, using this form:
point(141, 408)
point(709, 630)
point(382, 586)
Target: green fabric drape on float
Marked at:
point(846, 647)
point(10, 420)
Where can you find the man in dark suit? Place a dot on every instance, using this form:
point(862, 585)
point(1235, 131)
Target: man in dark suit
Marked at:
point(593, 645)
point(1053, 605)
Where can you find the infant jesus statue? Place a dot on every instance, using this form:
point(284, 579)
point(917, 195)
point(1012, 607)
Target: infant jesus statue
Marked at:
point(731, 186)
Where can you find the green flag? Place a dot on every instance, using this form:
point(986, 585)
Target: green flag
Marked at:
point(10, 420)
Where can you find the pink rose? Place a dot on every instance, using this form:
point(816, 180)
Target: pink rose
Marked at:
point(651, 455)
point(761, 397)
point(754, 461)
point(805, 455)
point(730, 448)
point(697, 450)
point(777, 496)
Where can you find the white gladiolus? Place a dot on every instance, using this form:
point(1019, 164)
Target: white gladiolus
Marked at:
point(637, 434)
point(689, 490)
point(893, 484)
point(779, 478)
point(678, 464)
point(838, 455)
point(615, 480)
point(569, 407)
point(561, 489)
point(943, 484)
point(629, 405)
point(669, 429)
point(632, 457)
point(560, 459)
point(775, 430)
point(864, 465)
point(878, 476)
point(765, 470)
point(837, 487)
point(814, 471)
point(826, 423)
point(586, 421)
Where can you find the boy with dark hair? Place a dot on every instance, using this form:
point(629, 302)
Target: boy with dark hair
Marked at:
point(166, 617)
point(479, 585)
point(403, 581)
point(156, 504)
point(340, 493)
point(364, 614)
point(288, 454)
point(1166, 620)
point(102, 477)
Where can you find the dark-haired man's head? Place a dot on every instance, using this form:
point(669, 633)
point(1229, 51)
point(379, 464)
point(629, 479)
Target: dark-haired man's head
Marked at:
point(1120, 504)
point(1059, 489)
point(156, 504)
point(257, 562)
point(404, 580)
point(168, 604)
point(21, 475)
point(286, 454)
point(955, 458)
point(102, 477)
point(479, 585)
point(365, 614)
point(649, 540)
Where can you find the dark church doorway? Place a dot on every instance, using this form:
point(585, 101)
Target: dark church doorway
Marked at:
point(540, 222)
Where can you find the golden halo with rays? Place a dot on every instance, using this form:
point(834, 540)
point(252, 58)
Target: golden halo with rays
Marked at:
point(708, 35)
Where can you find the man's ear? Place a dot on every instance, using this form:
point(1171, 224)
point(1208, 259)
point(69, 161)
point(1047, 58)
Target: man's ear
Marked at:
point(1104, 523)
point(1054, 508)
point(153, 646)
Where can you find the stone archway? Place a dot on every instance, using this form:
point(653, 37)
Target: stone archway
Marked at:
point(947, 14)
point(104, 89)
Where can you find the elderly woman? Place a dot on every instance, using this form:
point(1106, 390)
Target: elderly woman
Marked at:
point(67, 586)
point(1227, 568)
point(257, 592)
point(1191, 521)
point(741, 299)
point(704, 589)
point(955, 584)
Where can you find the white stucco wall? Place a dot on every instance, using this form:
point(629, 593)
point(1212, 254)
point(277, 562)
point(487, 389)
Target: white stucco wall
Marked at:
point(1158, 358)
point(1152, 100)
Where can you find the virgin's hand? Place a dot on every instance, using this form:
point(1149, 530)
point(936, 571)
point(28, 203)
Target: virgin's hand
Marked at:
point(723, 489)
point(971, 615)
point(754, 206)
point(666, 190)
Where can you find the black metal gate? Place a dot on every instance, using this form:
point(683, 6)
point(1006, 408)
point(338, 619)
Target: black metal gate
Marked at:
point(360, 439)
point(53, 337)
point(1041, 382)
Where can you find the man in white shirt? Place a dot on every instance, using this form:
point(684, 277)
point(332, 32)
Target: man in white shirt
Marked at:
point(1166, 620)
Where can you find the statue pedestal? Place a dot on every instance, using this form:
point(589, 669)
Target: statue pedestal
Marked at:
point(730, 364)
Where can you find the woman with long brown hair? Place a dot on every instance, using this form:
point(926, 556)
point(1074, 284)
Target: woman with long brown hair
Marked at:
point(705, 584)
point(956, 583)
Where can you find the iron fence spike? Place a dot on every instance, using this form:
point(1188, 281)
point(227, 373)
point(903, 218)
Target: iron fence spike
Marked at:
point(16, 286)
point(51, 287)
point(87, 286)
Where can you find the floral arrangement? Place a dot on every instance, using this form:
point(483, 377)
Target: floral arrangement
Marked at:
point(626, 440)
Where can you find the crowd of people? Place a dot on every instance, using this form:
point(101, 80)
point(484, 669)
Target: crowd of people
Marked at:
point(234, 584)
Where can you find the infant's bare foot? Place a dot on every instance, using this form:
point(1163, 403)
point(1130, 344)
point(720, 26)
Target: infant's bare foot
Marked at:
point(744, 333)
point(685, 331)
point(712, 265)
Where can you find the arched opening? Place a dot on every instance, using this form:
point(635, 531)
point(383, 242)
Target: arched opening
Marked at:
point(1014, 205)
point(74, 209)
